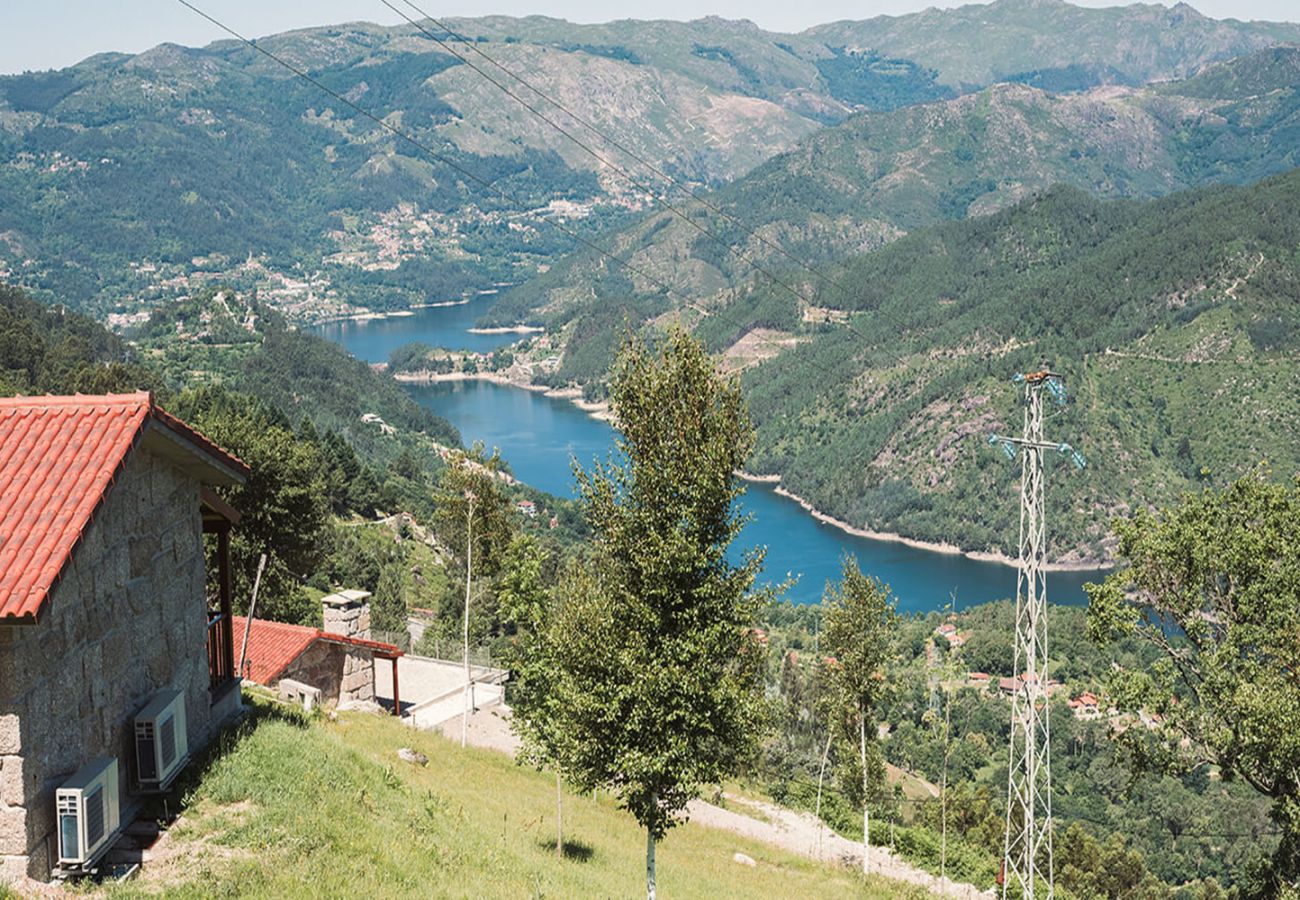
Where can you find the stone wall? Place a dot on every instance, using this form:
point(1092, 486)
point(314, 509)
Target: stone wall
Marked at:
point(127, 619)
point(342, 672)
point(358, 675)
point(321, 666)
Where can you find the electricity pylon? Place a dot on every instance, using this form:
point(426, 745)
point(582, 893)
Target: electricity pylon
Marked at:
point(1027, 850)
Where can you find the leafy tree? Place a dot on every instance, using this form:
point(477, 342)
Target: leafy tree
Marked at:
point(1104, 870)
point(658, 670)
point(1214, 585)
point(861, 624)
point(527, 604)
point(388, 607)
point(283, 505)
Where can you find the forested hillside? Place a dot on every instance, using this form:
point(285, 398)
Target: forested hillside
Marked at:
point(867, 181)
point(1175, 321)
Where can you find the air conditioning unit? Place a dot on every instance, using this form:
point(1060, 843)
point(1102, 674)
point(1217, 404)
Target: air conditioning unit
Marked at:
point(88, 812)
point(161, 742)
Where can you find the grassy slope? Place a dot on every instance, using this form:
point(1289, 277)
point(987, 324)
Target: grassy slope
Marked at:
point(294, 808)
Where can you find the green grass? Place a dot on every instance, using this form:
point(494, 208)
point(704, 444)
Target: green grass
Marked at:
point(294, 807)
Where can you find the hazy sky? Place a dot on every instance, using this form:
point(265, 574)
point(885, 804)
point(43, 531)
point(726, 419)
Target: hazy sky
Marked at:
point(43, 35)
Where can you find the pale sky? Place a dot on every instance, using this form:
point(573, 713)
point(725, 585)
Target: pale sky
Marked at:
point(44, 35)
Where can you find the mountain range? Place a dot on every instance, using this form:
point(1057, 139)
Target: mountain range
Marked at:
point(901, 212)
point(130, 179)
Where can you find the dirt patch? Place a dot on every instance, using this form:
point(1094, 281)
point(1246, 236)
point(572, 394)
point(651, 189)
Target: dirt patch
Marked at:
point(757, 346)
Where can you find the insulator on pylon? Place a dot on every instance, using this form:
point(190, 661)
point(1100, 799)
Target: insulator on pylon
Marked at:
point(1009, 449)
point(1056, 387)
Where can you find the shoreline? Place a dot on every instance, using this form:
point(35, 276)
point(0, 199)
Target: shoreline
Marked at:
point(507, 329)
point(895, 538)
point(600, 410)
point(371, 315)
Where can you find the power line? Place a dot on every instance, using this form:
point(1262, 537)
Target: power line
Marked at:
point(617, 144)
point(486, 184)
point(631, 179)
point(628, 175)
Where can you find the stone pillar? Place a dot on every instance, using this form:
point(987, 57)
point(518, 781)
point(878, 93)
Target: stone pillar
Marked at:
point(347, 613)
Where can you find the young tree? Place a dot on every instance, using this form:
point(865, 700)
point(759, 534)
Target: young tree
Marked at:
point(472, 519)
point(1214, 585)
point(861, 627)
point(388, 606)
point(527, 608)
point(659, 674)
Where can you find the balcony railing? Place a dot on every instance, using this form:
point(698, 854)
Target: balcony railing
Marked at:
point(221, 650)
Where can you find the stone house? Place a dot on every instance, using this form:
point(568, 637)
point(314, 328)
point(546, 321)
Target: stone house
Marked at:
point(105, 506)
point(338, 660)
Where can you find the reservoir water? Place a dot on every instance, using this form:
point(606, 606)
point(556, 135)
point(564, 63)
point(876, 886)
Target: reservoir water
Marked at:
point(540, 436)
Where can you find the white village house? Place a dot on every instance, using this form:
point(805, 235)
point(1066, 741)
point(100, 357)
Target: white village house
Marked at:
point(105, 507)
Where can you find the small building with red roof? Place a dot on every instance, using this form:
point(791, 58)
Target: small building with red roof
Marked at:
point(338, 660)
point(106, 503)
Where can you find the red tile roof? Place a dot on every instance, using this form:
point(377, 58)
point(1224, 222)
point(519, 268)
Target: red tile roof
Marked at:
point(272, 646)
point(58, 458)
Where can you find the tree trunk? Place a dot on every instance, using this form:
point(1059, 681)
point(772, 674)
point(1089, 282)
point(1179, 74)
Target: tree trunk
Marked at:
point(820, 776)
point(469, 569)
point(866, 814)
point(649, 864)
point(559, 819)
point(943, 790)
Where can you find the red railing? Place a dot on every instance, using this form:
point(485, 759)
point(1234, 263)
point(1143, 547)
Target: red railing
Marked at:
point(221, 650)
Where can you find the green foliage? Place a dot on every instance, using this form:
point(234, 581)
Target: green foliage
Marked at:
point(528, 608)
point(861, 626)
point(473, 519)
point(1103, 870)
point(657, 667)
point(388, 606)
point(865, 78)
point(45, 350)
point(283, 504)
point(1216, 586)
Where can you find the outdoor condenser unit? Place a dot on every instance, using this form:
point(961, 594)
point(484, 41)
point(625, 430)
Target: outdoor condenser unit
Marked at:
point(88, 812)
point(161, 743)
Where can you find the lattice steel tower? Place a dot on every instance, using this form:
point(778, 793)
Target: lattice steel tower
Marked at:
point(1027, 851)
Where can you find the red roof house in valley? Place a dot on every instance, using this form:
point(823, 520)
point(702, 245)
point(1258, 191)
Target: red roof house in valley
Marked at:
point(105, 506)
point(339, 663)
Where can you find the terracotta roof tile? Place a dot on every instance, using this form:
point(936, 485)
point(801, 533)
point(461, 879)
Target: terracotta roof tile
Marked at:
point(58, 458)
point(272, 646)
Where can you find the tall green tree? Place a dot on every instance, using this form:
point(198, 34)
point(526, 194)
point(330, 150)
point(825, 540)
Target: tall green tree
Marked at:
point(861, 632)
point(1214, 585)
point(388, 606)
point(659, 670)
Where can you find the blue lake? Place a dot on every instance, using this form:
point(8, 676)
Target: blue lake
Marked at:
point(438, 326)
point(540, 437)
